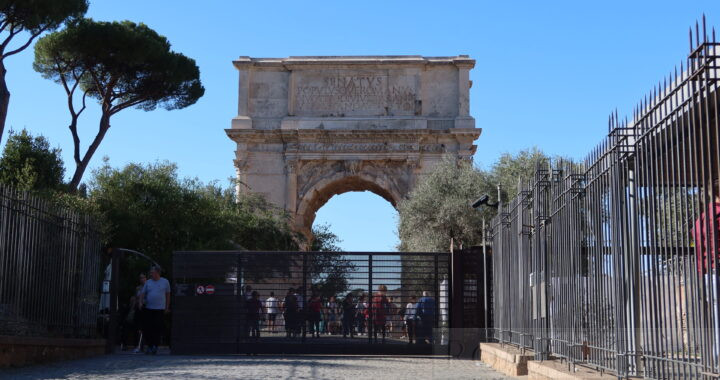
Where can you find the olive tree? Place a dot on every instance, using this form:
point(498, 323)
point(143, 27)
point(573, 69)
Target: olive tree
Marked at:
point(120, 65)
point(438, 209)
point(21, 22)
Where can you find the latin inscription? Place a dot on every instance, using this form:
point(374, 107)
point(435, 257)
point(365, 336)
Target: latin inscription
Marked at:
point(360, 94)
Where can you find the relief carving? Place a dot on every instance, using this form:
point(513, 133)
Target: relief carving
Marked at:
point(340, 94)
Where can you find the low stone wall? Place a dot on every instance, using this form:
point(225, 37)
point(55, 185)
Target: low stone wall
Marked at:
point(555, 370)
point(21, 351)
point(506, 359)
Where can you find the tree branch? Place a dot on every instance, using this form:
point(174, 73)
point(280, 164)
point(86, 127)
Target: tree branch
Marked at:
point(4, 25)
point(82, 165)
point(7, 40)
point(24, 46)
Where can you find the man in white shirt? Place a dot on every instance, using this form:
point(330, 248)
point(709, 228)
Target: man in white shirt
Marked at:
point(155, 296)
point(410, 319)
point(272, 307)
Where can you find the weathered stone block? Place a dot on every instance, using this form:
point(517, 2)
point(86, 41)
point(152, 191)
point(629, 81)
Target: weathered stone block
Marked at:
point(506, 359)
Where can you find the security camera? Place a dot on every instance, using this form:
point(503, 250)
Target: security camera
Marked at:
point(483, 200)
point(480, 201)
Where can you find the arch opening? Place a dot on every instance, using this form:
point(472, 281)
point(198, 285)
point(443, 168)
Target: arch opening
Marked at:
point(321, 195)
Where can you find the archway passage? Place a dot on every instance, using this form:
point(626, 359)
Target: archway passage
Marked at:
point(323, 191)
point(361, 220)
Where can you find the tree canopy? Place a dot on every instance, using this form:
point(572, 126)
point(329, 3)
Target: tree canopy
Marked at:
point(438, 209)
point(149, 208)
point(28, 163)
point(33, 17)
point(121, 65)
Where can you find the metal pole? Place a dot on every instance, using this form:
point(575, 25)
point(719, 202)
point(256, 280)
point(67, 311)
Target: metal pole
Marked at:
point(114, 282)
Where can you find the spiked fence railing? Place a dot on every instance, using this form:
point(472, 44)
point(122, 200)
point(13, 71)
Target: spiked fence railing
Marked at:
point(614, 263)
point(50, 268)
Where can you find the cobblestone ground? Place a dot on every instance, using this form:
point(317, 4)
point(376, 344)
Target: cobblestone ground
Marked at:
point(126, 366)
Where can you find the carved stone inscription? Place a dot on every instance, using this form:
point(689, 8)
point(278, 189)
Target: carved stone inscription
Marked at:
point(352, 147)
point(352, 95)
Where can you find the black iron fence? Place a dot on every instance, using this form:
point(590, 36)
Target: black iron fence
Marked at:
point(311, 302)
point(614, 263)
point(49, 268)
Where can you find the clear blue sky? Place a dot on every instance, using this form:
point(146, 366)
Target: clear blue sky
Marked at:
point(548, 73)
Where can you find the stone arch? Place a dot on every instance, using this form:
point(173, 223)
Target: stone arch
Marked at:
point(340, 183)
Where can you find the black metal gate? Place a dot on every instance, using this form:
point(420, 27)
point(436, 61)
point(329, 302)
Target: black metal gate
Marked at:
point(216, 297)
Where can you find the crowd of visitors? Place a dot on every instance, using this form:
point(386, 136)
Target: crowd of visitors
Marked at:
point(377, 316)
point(355, 314)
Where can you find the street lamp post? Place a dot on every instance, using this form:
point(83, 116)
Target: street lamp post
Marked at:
point(484, 200)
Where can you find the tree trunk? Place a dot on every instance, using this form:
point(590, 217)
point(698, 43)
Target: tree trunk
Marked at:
point(4, 98)
point(80, 168)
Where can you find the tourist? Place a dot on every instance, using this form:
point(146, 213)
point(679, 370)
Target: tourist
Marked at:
point(425, 312)
point(139, 313)
point(271, 305)
point(331, 312)
point(255, 310)
point(315, 315)
point(393, 316)
point(155, 297)
point(348, 316)
point(706, 234)
point(378, 313)
point(360, 315)
point(302, 313)
point(127, 325)
point(289, 309)
point(409, 317)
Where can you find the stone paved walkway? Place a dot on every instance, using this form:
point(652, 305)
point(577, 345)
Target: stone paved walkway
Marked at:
point(126, 366)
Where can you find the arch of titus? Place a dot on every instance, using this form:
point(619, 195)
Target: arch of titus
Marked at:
point(309, 128)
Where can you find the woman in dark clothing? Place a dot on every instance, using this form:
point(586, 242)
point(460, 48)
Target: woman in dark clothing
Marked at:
point(255, 310)
point(314, 316)
point(348, 317)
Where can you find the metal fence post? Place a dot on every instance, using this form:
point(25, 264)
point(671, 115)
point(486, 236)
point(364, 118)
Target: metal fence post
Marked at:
point(370, 321)
point(114, 282)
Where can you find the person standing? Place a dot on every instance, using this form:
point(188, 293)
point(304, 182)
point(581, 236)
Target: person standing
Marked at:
point(290, 311)
point(378, 313)
point(301, 317)
point(360, 317)
point(348, 316)
point(139, 313)
point(255, 310)
point(425, 312)
point(331, 312)
point(314, 315)
point(155, 297)
point(410, 319)
point(706, 235)
point(271, 305)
